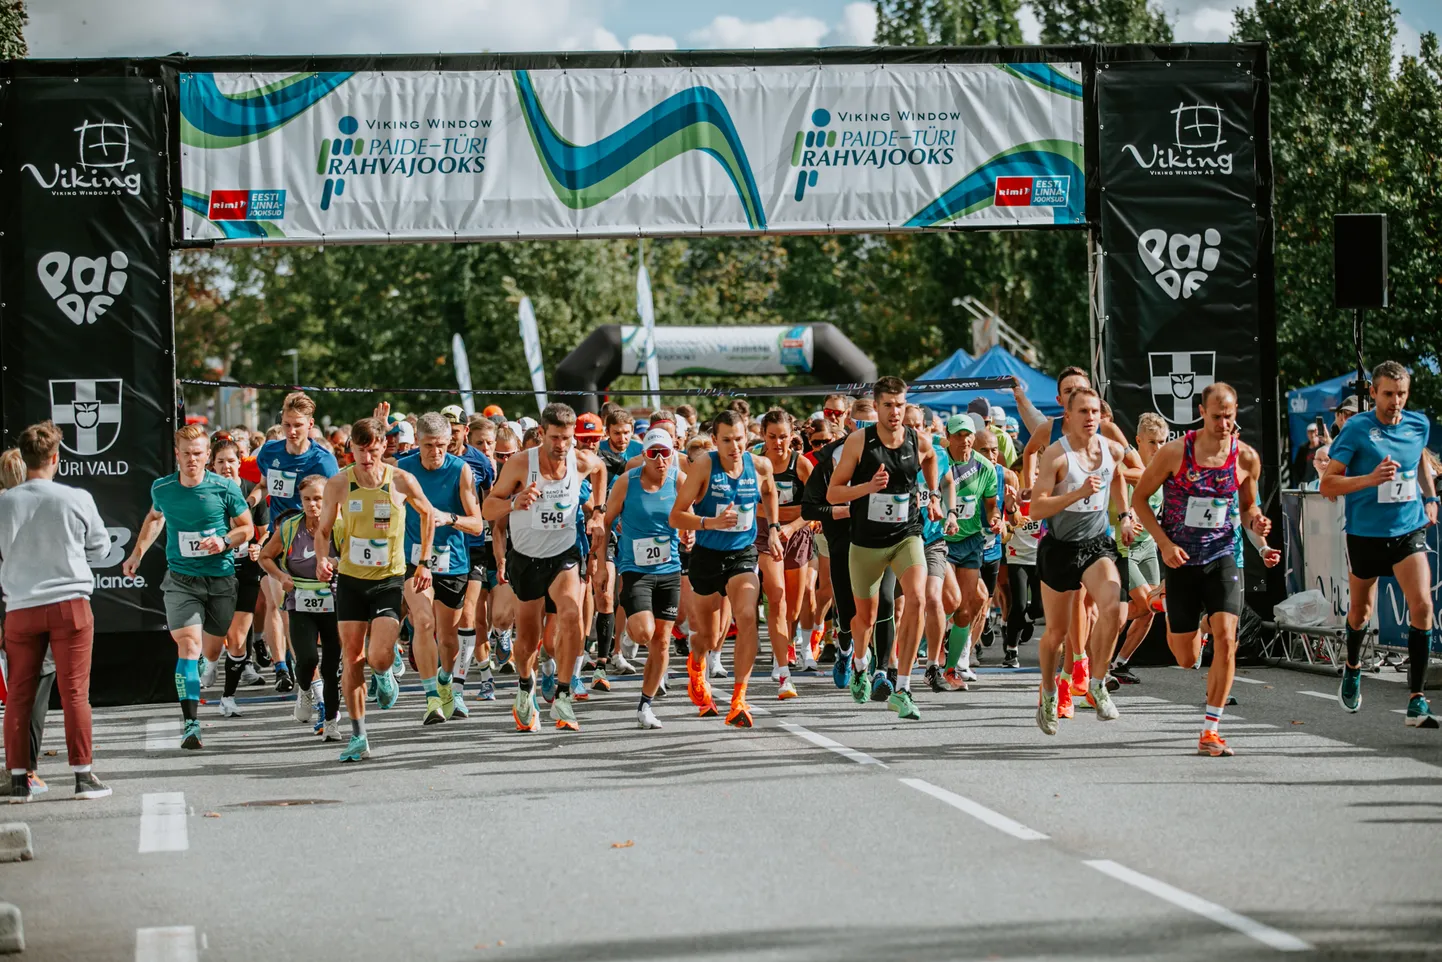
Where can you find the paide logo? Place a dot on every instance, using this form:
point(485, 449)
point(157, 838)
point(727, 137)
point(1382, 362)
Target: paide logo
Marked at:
point(1032, 191)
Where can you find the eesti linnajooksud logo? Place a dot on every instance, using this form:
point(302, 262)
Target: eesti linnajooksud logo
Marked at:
point(343, 146)
point(876, 138)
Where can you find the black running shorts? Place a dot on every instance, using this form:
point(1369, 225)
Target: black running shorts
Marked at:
point(450, 590)
point(712, 570)
point(1061, 564)
point(1215, 587)
point(659, 594)
point(531, 578)
point(365, 599)
point(1375, 557)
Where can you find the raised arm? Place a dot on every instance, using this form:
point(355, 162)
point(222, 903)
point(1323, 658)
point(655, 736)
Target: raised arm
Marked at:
point(470, 520)
point(842, 491)
point(410, 489)
point(1030, 416)
point(693, 489)
point(508, 484)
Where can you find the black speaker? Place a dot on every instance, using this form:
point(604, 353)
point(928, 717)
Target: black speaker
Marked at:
point(1360, 259)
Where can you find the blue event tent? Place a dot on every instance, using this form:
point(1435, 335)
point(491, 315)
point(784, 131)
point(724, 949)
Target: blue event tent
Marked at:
point(996, 362)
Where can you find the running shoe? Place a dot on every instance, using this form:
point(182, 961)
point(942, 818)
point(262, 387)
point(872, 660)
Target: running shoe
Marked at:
point(227, 707)
point(1111, 683)
point(488, 689)
point(191, 737)
point(901, 703)
point(707, 709)
point(841, 669)
point(250, 678)
point(332, 729)
point(38, 786)
point(359, 749)
point(809, 663)
point(787, 690)
point(284, 684)
point(502, 647)
point(548, 680)
point(860, 684)
point(1419, 713)
point(207, 674)
point(976, 650)
point(646, 718)
point(619, 665)
point(1064, 706)
point(953, 680)
point(740, 714)
point(966, 672)
point(564, 715)
point(698, 689)
point(434, 716)
point(1046, 713)
point(828, 654)
point(387, 691)
point(1009, 658)
point(319, 727)
point(680, 643)
point(1099, 698)
point(1214, 745)
point(528, 718)
point(881, 686)
point(260, 652)
point(20, 790)
point(661, 691)
point(578, 688)
point(1080, 674)
point(791, 655)
point(398, 662)
point(776, 673)
point(933, 678)
point(447, 695)
point(459, 708)
point(714, 668)
point(88, 786)
point(1349, 693)
point(598, 680)
point(1125, 675)
point(304, 706)
point(371, 688)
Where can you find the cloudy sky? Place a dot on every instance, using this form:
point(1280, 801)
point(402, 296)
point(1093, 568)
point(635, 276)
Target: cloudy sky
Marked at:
point(93, 28)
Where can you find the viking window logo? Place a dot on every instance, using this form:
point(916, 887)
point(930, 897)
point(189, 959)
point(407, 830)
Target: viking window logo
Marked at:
point(819, 138)
point(1196, 144)
point(343, 146)
point(87, 411)
point(102, 155)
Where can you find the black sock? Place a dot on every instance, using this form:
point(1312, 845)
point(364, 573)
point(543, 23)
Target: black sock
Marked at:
point(1355, 637)
point(189, 709)
point(525, 684)
point(891, 676)
point(605, 634)
point(645, 700)
point(1418, 640)
point(233, 667)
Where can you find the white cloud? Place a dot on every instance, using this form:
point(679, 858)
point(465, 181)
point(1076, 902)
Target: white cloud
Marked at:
point(1407, 42)
point(650, 41)
point(1208, 24)
point(727, 31)
point(856, 29)
point(1030, 25)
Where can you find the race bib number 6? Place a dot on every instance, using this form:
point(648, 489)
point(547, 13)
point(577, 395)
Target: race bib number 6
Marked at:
point(369, 554)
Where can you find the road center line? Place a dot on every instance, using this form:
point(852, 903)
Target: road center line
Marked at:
point(1318, 694)
point(174, 943)
point(1275, 938)
point(162, 735)
point(976, 810)
point(821, 741)
point(1248, 681)
point(163, 826)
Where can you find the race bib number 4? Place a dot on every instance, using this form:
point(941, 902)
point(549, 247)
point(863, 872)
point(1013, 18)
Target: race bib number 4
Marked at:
point(440, 558)
point(1207, 513)
point(648, 552)
point(888, 508)
point(1402, 487)
point(280, 484)
point(369, 554)
point(317, 602)
point(192, 543)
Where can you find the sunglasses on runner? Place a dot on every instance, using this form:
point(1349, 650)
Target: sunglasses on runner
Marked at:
point(819, 443)
point(833, 413)
point(656, 454)
point(503, 457)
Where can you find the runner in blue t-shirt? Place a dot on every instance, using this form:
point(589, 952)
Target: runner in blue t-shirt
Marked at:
point(479, 455)
point(1379, 466)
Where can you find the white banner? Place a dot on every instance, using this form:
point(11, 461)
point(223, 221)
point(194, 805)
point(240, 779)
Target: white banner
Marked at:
point(463, 374)
point(762, 349)
point(1324, 552)
point(272, 158)
point(647, 310)
point(531, 340)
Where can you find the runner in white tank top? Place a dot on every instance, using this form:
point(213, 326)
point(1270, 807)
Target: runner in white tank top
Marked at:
point(547, 527)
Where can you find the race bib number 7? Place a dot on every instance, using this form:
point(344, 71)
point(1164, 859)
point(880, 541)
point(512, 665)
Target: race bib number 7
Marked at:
point(1402, 487)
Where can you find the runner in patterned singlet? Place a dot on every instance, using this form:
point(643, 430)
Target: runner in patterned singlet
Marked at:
point(1199, 474)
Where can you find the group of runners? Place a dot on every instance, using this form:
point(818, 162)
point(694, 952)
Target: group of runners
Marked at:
point(875, 534)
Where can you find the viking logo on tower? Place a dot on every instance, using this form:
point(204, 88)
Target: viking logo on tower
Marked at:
point(87, 411)
point(1178, 379)
point(89, 292)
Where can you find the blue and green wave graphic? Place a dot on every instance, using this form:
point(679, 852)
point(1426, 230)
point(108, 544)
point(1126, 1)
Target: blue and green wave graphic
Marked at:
point(584, 175)
point(210, 118)
point(1045, 76)
point(977, 189)
point(257, 230)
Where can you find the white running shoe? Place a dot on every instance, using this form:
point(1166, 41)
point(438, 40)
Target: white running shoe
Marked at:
point(808, 663)
point(776, 672)
point(714, 666)
point(227, 707)
point(967, 673)
point(250, 678)
point(619, 665)
point(627, 648)
point(304, 706)
point(332, 729)
point(646, 718)
point(207, 677)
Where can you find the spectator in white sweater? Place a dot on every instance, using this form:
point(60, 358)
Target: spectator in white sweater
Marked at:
point(48, 533)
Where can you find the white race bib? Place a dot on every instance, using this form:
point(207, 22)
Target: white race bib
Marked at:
point(967, 507)
point(440, 557)
point(1402, 487)
point(370, 554)
point(1091, 503)
point(648, 552)
point(317, 602)
point(280, 484)
point(1207, 513)
point(551, 511)
point(745, 518)
point(888, 508)
point(785, 492)
point(192, 543)
point(241, 551)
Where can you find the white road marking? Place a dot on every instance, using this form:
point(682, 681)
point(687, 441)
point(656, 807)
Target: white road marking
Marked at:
point(163, 824)
point(1318, 694)
point(976, 810)
point(174, 943)
point(1275, 938)
point(162, 735)
point(821, 741)
point(1248, 681)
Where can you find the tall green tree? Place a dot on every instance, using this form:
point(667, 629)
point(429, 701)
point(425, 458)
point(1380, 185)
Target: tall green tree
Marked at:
point(920, 23)
point(12, 29)
point(1102, 21)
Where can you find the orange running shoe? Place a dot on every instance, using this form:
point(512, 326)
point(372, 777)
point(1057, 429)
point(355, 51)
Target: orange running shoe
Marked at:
point(740, 714)
point(1214, 745)
point(698, 689)
point(816, 642)
point(1064, 707)
point(599, 682)
point(1080, 675)
point(791, 655)
point(708, 708)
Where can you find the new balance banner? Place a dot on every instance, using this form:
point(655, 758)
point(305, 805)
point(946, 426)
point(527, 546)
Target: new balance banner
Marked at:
point(85, 324)
point(354, 156)
point(1180, 230)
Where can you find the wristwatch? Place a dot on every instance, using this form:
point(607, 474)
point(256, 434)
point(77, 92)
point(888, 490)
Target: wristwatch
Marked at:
point(424, 563)
point(1431, 500)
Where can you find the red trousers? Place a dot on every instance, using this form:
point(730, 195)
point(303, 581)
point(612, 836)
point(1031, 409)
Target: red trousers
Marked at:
point(68, 628)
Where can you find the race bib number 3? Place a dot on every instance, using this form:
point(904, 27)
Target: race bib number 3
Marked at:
point(192, 543)
point(648, 552)
point(317, 602)
point(369, 554)
point(440, 558)
point(280, 484)
point(1402, 487)
point(1206, 513)
point(889, 508)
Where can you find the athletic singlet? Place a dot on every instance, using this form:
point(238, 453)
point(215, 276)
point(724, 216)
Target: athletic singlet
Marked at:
point(932, 531)
point(991, 549)
point(374, 533)
point(1021, 549)
point(648, 544)
point(789, 485)
point(744, 491)
point(887, 517)
point(483, 473)
point(298, 559)
point(1086, 518)
point(442, 488)
point(1196, 507)
point(548, 527)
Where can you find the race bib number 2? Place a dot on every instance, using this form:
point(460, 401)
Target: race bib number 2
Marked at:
point(648, 552)
point(440, 557)
point(317, 602)
point(192, 543)
point(280, 484)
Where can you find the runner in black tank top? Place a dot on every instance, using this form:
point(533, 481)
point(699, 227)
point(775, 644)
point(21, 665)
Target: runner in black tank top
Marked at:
point(901, 464)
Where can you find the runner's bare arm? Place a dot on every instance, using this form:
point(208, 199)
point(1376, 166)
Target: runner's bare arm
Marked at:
point(842, 491)
point(239, 524)
point(617, 501)
point(692, 489)
point(1127, 525)
point(766, 479)
point(410, 489)
point(269, 562)
point(1336, 482)
point(335, 489)
point(1248, 494)
point(1043, 503)
point(470, 520)
point(1031, 454)
point(150, 529)
point(1030, 416)
point(803, 474)
point(508, 483)
point(1163, 466)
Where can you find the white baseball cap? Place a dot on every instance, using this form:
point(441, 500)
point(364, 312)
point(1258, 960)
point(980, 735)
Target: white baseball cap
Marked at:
point(405, 434)
point(997, 415)
point(527, 423)
point(658, 438)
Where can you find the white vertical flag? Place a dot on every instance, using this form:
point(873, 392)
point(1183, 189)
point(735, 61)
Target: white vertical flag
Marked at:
point(463, 374)
point(646, 309)
point(531, 338)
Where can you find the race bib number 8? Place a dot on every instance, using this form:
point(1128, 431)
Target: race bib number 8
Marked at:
point(1207, 513)
point(280, 484)
point(317, 602)
point(648, 552)
point(1402, 487)
point(192, 543)
point(370, 554)
point(440, 558)
point(888, 508)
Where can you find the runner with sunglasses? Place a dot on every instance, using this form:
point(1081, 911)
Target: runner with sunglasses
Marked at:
point(781, 578)
point(472, 634)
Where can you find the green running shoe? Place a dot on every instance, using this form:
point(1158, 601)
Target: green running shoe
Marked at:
point(387, 691)
point(563, 714)
point(371, 688)
point(358, 749)
point(1046, 713)
point(1419, 713)
point(901, 703)
point(191, 737)
point(860, 684)
point(448, 701)
point(524, 712)
point(433, 711)
point(458, 706)
point(1349, 693)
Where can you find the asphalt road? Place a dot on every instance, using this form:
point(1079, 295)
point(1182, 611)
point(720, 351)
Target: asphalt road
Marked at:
point(830, 831)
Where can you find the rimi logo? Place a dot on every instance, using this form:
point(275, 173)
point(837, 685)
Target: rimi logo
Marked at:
point(818, 138)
